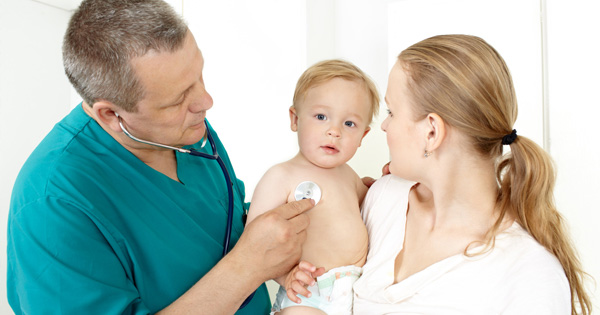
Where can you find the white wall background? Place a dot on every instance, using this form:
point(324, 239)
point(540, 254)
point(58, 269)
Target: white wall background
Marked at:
point(256, 50)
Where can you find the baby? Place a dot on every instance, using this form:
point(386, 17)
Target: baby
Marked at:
point(334, 104)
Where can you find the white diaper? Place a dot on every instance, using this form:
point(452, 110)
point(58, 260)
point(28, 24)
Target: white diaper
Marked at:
point(332, 293)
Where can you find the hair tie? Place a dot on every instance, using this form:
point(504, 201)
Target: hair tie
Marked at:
point(510, 138)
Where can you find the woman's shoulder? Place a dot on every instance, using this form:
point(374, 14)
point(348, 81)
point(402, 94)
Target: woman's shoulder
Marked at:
point(388, 187)
point(537, 279)
point(386, 194)
point(391, 182)
point(533, 269)
point(519, 242)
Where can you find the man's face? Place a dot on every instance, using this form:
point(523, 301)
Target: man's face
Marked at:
point(175, 101)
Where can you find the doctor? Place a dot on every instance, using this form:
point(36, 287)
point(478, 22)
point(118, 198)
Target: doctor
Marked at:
point(102, 224)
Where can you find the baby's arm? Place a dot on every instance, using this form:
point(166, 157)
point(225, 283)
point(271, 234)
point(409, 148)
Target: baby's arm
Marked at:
point(270, 192)
point(361, 190)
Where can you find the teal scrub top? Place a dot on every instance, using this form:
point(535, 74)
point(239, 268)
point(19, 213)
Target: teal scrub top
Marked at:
point(94, 230)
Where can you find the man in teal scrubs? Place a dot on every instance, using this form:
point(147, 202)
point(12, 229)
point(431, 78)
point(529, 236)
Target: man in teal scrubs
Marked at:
point(102, 224)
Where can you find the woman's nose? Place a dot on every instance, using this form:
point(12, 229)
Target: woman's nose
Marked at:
point(384, 124)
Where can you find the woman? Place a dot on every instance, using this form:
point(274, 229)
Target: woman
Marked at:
point(467, 230)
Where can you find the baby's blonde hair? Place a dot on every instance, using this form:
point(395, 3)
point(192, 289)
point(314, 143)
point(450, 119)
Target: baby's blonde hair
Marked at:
point(326, 70)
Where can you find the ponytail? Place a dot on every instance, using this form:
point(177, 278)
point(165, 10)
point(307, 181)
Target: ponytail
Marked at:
point(526, 177)
point(465, 81)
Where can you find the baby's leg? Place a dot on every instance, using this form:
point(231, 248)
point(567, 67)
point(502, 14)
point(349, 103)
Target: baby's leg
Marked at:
point(301, 310)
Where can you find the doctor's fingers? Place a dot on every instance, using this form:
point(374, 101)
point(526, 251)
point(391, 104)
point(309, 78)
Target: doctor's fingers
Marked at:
point(299, 223)
point(295, 208)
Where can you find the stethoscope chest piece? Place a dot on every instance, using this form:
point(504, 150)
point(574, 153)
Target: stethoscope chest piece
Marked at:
point(308, 190)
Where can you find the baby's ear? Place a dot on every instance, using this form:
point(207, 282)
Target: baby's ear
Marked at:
point(293, 119)
point(364, 134)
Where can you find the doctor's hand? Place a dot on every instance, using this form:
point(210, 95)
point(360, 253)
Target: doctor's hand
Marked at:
point(269, 247)
point(272, 242)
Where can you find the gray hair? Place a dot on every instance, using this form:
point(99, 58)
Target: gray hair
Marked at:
point(102, 38)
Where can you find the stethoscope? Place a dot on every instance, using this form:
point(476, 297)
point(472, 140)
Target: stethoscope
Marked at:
point(213, 156)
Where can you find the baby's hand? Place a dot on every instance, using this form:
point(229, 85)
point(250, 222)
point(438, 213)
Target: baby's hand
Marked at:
point(301, 276)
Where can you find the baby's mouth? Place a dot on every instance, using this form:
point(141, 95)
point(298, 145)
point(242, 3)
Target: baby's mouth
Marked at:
point(329, 149)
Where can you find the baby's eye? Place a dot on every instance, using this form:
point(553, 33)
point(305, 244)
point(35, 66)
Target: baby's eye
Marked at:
point(390, 113)
point(321, 117)
point(349, 124)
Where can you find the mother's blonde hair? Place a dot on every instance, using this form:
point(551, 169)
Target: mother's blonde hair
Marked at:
point(465, 81)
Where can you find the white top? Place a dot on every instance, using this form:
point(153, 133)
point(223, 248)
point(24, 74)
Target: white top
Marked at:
point(519, 276)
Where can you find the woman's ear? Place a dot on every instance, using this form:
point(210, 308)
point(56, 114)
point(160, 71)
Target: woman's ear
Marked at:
point(436, 132)
point(293, 119)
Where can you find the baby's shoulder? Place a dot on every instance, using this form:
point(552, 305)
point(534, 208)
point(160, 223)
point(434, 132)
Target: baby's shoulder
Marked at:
point(348, 171)
point(284, 168)
point(284, 173)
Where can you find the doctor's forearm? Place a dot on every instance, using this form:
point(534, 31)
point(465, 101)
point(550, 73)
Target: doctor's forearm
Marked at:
point(220, 291)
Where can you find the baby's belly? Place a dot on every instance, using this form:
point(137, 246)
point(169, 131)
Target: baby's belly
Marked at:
point(336, 241)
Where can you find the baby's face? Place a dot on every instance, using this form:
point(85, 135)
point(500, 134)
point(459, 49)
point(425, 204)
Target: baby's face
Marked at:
point(331, 121)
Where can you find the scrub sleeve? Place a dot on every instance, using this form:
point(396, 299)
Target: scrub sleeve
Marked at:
point(94, 230)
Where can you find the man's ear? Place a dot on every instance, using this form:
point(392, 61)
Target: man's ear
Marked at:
point(293, 119)
point(364, 134)
point(435, 131)
point(106, 114)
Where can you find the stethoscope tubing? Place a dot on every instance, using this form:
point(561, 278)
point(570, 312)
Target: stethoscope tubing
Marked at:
point(214, 156)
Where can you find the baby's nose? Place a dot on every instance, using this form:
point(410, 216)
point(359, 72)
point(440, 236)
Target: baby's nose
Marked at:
point(334, 132)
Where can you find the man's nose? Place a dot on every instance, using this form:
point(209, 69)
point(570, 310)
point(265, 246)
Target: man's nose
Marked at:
point(201, 101)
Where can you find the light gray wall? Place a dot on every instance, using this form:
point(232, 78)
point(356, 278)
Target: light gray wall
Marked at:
point(34, 94)
point(573, 85)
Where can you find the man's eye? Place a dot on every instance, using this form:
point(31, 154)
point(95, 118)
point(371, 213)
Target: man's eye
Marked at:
point(349, 124)
point(321, 117)
point(179, 102)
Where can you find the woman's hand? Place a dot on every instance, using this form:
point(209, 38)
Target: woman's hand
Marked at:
point(385, 170)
